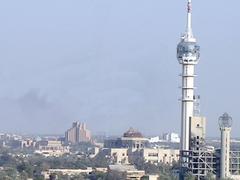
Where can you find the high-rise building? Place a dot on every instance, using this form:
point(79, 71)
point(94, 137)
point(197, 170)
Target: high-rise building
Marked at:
point(78, 133)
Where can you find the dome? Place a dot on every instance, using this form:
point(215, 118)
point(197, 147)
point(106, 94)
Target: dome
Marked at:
point(133, 133)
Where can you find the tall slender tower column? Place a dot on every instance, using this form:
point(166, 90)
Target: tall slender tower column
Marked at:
point(188, 53)
point(225, 123)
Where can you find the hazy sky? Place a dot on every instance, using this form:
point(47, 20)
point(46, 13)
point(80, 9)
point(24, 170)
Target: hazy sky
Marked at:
point(112, 64)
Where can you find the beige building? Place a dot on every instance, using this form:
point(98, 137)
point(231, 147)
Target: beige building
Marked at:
point(78, 133)
point(133, 146)
point(119, 155)
point(51, 148)
point(197, 132)
point(159, 155)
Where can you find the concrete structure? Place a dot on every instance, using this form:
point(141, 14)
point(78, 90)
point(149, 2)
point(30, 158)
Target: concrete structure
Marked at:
point(202, 159)
point(225, 123)
point(51, 148)
point(119, 155)
point(199, 162)
point(235, 164)
point(188, 53)
point(78, 133)
point(159, 155)
point(197, 132)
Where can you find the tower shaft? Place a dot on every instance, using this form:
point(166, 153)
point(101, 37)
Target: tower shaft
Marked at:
point(187, 103)
point(225, 152)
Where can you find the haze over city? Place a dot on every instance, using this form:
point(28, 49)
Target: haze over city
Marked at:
point(113, 64)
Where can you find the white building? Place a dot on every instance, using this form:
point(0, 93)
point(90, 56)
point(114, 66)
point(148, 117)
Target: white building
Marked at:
point(171, 137)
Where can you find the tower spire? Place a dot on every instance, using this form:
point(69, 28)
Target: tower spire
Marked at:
point(189, 34)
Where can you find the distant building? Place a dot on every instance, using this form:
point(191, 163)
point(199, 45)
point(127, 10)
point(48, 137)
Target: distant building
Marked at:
point(131, 139)
point(171, 137)
point(155, 139)
point(127, 172)
point(159, 155)
point(51, 148)
point(78, 133)
point(133, 147)
point(117, 155)
point(69, 172)
point(28, 143)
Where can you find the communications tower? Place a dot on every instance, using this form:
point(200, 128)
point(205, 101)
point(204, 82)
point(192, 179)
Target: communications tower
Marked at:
point(188, 53)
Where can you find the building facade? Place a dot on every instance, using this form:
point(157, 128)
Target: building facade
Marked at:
point(133, 147)
point(51, 148)
point(78, 133)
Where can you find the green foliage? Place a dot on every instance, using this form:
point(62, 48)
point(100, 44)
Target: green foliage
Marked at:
point(19, 166)
point(100, 160)
point(9, 173)
point(189, 176)
point(163, 170)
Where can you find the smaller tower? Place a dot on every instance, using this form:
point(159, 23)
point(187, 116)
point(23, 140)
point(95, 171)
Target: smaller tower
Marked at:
point(225, 124)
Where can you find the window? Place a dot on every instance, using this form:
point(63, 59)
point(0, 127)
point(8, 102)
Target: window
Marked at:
point(152, 154)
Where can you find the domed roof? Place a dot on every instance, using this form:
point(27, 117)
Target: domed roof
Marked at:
point(133, 133)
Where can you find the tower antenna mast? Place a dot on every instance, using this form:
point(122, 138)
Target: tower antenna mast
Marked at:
point(189, 33)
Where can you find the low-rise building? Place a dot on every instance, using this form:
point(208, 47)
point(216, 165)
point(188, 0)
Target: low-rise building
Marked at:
point(28, 143)
point(51, 148)
point(127, 172)
point(133, 146)
point(70, 172)
point(118, 155)
point(159, 155)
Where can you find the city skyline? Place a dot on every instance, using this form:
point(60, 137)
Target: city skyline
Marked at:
point(112, 63)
